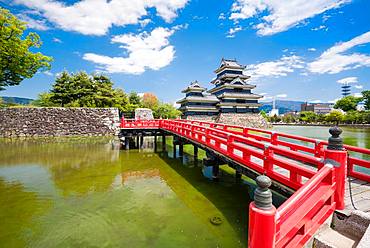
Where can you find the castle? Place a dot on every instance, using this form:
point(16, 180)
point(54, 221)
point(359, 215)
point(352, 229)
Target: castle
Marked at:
point(230, 100)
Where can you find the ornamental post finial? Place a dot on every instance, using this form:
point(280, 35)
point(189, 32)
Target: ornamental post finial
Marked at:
point(262, 194)
point(335, 141)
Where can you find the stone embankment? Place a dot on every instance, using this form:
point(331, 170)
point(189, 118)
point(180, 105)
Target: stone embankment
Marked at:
point(30, 122)
point(240, 119)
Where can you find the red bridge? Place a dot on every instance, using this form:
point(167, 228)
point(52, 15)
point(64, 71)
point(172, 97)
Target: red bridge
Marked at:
point(314, 172)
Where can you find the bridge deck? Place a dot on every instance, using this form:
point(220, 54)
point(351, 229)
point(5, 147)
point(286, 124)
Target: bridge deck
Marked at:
point(360, 196)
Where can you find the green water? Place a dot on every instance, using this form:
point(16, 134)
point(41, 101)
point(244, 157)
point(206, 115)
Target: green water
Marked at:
point(351, 136)
point(88, 193)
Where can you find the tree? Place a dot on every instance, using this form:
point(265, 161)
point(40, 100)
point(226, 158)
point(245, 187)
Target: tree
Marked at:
point(347, 103)
point(166, 110)
point(134, 98)
point(17, 62)
point(83, 90)
point(150, 101)
point(366, 98)
point(334, 116)
point(288, 118)
point(44, 100)
point(307, 116)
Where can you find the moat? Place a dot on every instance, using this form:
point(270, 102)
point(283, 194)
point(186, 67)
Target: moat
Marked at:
point(87, 192)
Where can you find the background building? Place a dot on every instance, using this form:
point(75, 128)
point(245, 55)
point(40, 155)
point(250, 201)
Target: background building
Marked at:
point(317, 108)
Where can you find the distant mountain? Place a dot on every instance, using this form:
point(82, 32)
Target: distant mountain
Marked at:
point(17, 100)
point(283, 106)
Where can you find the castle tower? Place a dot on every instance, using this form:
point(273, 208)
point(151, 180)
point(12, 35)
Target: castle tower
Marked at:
point(231, 88)
point(197, 102)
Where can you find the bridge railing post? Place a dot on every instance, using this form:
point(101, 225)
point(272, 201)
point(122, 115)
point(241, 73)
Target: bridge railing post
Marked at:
point(268, 157)
point(262, 216)
point(336, 155)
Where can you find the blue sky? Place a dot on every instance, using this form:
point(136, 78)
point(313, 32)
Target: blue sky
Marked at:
point(296, 49)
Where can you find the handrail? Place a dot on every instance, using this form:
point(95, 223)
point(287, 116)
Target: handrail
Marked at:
point(356, 166)
point(300, 152)
point(313, 201)
point(302, 214)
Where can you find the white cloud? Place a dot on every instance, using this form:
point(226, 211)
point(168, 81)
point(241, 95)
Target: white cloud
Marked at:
point(145, 51)
point(311, 49)
point(56, 40)
point(281, 96)
point(34, 23)
point(277, 68)
point(48, 73)
point(359, 87)
point(95, 17)
point(315, 101)
point(319, 28)
point(357, 95)
point(334, 60)
point(348, 80)
point(222, 16)
point(281, 15)
point(233, 31)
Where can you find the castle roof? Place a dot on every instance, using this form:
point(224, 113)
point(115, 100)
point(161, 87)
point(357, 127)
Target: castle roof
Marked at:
point(194, 87)
point(229, 64)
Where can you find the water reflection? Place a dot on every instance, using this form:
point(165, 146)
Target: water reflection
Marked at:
point(88, 193)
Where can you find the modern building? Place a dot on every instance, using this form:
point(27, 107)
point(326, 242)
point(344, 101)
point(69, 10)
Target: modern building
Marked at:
point(317, 108)
point(346, 90)
point(198, 102)
point(231, 88)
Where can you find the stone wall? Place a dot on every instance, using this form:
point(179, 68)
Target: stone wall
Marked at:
point(19, 122)
point(201, 118)
point(243, 119)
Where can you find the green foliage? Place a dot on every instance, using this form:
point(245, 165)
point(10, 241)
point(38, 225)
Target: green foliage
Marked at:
point(307, 116)
point(347, 103)
point(134, 99)
point(17, 62)
point(263, 114)
point(334, 116)
point(83, 90)
point(275, 119)
point(166, 111)
point(288, 118)
point(366, 98)
point(44, 100)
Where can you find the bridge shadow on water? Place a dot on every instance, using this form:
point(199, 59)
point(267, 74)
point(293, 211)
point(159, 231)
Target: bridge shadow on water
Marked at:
point(230, 196)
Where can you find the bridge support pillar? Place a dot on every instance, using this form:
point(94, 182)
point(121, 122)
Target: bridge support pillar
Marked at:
point(174, 150)
point(155, 142)
point(195, 152)
point(127, 143)
point(141, 141)
point(336, 155)
point(163, 142)
point(238, 175)
point(216, 173)
point(181, 150)
point(262, 223)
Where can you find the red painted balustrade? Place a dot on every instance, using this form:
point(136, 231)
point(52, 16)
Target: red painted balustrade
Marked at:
point(318, 191)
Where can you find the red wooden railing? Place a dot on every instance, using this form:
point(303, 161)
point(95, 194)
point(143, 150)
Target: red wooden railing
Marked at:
point(318, 191)
point(303, 149)
point(358, 157)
